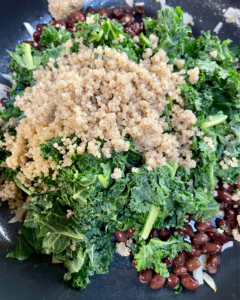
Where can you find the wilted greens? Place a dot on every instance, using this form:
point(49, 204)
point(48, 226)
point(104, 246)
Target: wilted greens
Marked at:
point(75, 218)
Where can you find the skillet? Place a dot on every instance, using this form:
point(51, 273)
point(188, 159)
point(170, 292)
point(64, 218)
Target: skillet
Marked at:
point(36, 278)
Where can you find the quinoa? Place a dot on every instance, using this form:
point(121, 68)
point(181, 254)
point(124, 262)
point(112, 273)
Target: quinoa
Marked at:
point(60, 9)
point(179, 63)
point(107, 98)
point(213, 54)
point(193, 75)
point(10, 192)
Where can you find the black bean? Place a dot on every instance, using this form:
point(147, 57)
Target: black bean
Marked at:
point(72, 16)
point(203, 227)
point(40, 27)
point(104, 12)
point(36, 36)
point(229, 188)
point(213, 261)
point(195, 252)
point(237, 185)
point(218, 237)
point(62, 23)
point(141, 11)
point(172, 281)
point(192, 264)
point(189, 282)
point(127, 21)
point(121, 236)
point(168, 262)
point(164, 233)
point(188, 229)
point(230, 215)
point(130, 232)
point(131, 11)
point(52, 22)
point(145, 276)
point(153, 233)
point(90, 10)
point(211, 248)
point(224, 205)
point(136, 28)
point(180, 259)
point(224, 223)
point(224, 196)
point(129, 31)
point(118, 13)
point(200, 238)
point(157, 282)
point(180, 270)
point(70, 24)
point(79, 17)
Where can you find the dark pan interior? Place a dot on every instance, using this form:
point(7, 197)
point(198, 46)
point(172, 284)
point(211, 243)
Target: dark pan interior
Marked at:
point(36, 278)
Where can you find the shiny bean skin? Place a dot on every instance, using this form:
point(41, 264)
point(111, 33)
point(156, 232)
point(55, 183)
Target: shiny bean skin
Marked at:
point(188, 230)
point(218, 237)
point(118, 13)
point(61, 23)
point(195, 252)
point(211, 270)
point(70, 24)
point(90, 10)
point(127, 21)
point(105, 11)
point(192, 264)
point(172, 281)
point(168, 262)
point(141, 11)
point(145, 276)
point(224, 196)
point(153, 233)
point(24, 215)
point(222, 222)
point(133, 263)
point(181, 231)
point(200, 238)
point(157, 282)
point(180, 270)
point(203, 227)
point(189, 282)
point(164, 233)
point(130, 11)
point(36, 36)
point(237, 210)
point(211, 248)
point(230, 215)
point(136, 28)
point(129, 31)
point(72, 16)
point(121, 236)
point(224, 205)
point(52, 22)
point(237, 185)
point(79, 17)
point(40, 27)
point(213, 261)
point(130, 232)
point(180, 259)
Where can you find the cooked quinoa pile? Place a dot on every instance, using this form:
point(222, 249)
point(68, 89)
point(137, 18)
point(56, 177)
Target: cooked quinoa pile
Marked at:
point(60, 9)
point(106, 97)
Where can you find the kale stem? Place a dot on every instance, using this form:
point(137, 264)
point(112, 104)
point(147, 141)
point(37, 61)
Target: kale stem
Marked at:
point(152, 216)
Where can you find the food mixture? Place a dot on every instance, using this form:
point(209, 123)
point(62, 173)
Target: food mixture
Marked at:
point(123, 136)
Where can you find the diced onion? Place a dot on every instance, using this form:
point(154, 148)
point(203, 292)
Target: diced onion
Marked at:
point(218, 27)
point(19, 213)
point(3, 90)
point(163, 3)
point(227, 245)
point(55, 261)
point(129, 2)
point(29, 28)
point(197, 274)
point(232, 14)
point(187, 18)
point(6, 76)
point(209, 281)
